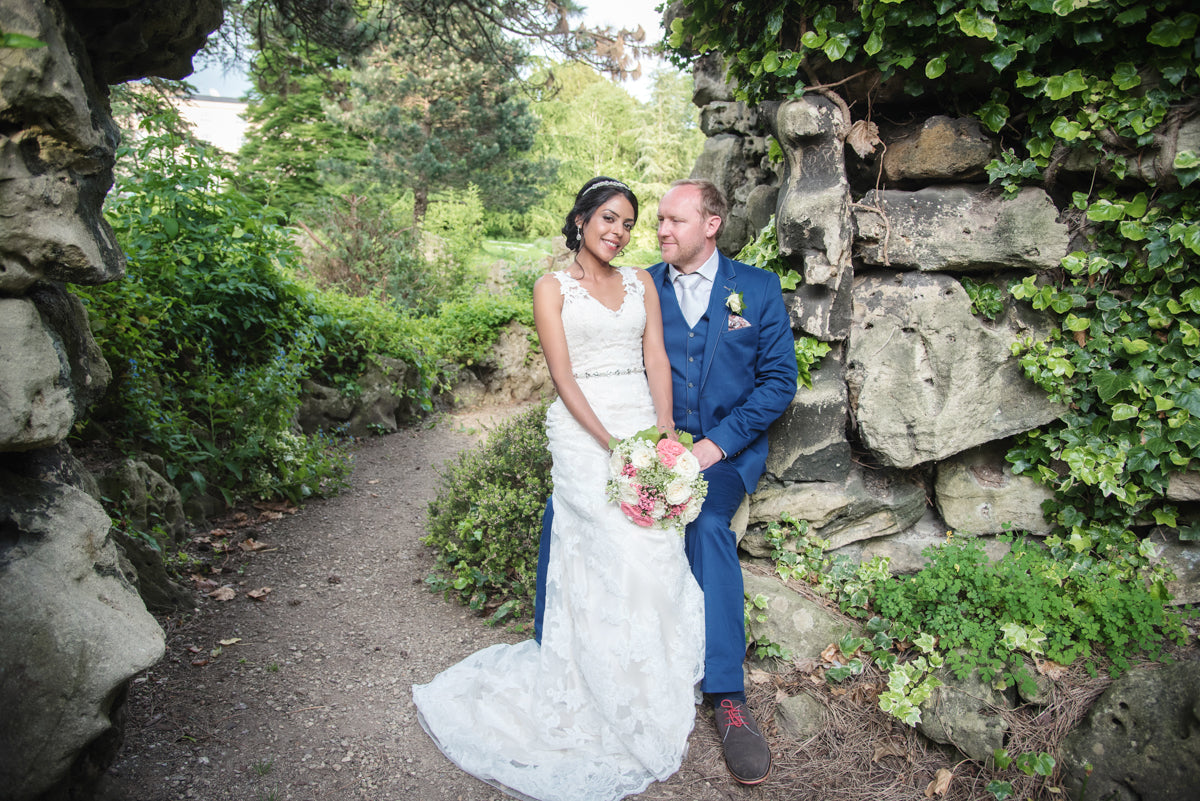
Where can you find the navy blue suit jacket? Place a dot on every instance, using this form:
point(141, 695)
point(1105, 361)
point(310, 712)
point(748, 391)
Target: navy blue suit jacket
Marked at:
point(748, 376)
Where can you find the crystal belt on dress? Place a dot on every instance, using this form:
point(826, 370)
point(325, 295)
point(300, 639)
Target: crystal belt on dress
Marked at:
point(607, 373)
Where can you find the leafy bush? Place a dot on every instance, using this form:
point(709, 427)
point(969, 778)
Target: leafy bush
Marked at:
point(486, 521)
point(983, 614)
point(207, 338)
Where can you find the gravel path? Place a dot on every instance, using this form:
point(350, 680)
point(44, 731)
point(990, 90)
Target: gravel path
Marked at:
point(312, 701)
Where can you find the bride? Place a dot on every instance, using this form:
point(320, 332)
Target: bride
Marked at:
point(605, 705)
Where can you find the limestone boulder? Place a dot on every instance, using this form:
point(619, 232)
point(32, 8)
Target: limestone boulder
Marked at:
point(737, 165)
point(960, 229)
point(1181, 557)
point(725, 116)
point(964, 713)
point(75, 631)
point(322, 408)
point(1141, 738)
point(56, 157)
point(1184, 487)
point(66, 318)
point(128, 39)
point(800, 626)
point(36, 406)
point(927, 379)
point(800, 717)
point(513, 371)
point(383, 399)
point(709, 84)
point(939, 149)
point(905, 551)
point(977, 492)
point(861, 507)
point(149, 503)
point(808, 442)
point(812, 219)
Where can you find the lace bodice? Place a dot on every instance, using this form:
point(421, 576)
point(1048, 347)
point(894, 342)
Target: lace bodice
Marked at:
point(603, 340)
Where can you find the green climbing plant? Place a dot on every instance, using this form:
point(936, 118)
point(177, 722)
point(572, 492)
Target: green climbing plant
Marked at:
point(1058, 88)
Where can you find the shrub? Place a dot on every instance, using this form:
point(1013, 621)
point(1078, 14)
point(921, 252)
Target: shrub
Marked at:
point(486, 521)
point(984, 613)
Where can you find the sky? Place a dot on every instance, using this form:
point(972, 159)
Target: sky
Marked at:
point(617, 13)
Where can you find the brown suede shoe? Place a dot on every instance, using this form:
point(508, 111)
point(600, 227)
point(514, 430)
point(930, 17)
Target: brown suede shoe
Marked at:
point(747, 754)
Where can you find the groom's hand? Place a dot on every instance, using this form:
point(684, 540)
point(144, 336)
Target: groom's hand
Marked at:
point(707, 453)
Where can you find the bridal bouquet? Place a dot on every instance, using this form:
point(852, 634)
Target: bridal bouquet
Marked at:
point(656, 480)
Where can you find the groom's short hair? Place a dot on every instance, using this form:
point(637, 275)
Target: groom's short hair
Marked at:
point(712, 200)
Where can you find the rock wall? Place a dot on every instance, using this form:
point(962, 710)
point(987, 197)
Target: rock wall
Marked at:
point(903, 435)
point(73, 625)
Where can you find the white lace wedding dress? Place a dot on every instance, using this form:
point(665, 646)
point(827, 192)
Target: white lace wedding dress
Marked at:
point(605, 705)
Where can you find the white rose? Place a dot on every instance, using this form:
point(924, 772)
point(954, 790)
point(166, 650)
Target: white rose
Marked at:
point(658, 510)
point(690, 512)
point(687, 467)
point(643, 455)
point(616, 462)
point(678, 491)
point(625, 491)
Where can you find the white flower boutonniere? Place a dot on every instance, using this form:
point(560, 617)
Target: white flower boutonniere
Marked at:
point(735, 303)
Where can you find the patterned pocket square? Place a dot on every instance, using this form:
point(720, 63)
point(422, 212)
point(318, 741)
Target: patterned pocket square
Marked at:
point(736, 322)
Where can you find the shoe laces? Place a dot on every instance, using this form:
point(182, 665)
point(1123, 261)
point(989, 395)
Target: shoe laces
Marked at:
point(733, 713)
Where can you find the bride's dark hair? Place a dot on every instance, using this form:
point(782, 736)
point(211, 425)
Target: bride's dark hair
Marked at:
point(591, 197)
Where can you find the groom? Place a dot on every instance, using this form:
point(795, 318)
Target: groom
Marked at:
point(733, 368)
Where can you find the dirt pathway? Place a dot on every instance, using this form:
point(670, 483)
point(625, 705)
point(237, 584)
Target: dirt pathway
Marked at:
point(312, 701)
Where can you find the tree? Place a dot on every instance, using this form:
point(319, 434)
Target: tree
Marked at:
point(297, 147)
point(437, 120)
point(275, 28)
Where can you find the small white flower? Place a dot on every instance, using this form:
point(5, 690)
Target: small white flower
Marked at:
point(735, 303)
point(658, 510)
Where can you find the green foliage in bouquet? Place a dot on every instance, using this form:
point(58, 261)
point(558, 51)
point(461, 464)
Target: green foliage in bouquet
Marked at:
point(487, 519)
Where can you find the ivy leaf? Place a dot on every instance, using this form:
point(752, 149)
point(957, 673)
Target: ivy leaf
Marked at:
point(770, 62)
point(1002, 57)
point(935, 67)
point(1187, 167)
point(1126, 76)
point(1134, 347)
point(1189, 399)
point(1066, 129)
point(21, 41)
point(1109, 384)
point(972, 24)
point(1132, 230)
point(1124, 411)
point(1173, 32)
point(874, 44)
point(1105, 210)
point(812, 40)
point(836, 47)
point(994, 116)
point(1060, 86)
point(1191, 238)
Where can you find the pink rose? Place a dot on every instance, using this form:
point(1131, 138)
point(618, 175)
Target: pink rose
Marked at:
point(636, 515)
point(669, 451)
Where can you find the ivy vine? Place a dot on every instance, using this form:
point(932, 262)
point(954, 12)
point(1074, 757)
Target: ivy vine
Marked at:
point(1102, 88)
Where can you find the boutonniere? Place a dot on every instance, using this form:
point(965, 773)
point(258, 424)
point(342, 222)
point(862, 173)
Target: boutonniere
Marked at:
point(735, 303)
